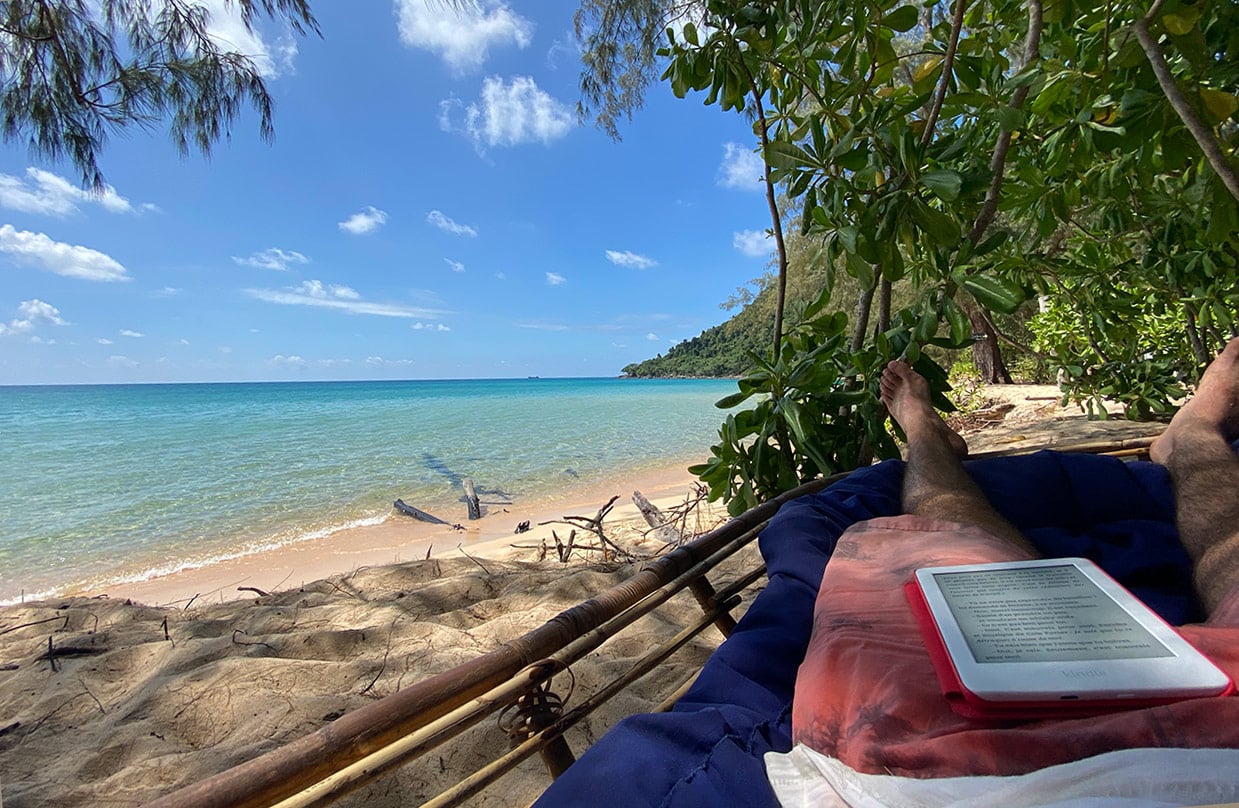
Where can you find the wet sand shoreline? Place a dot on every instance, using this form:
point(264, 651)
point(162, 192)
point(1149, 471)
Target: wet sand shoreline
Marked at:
point(397, 539)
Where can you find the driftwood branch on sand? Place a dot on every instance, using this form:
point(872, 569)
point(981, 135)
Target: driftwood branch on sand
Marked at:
point(422, 516)
point(593, 524)
point(662, 528)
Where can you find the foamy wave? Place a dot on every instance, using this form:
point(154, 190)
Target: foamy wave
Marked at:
point(45, 594)
point(184, 565)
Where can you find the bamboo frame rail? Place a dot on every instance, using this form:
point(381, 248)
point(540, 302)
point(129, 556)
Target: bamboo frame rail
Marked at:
point(434, 733)
point(497, 768)
point(285, 771)
point(1123, 447)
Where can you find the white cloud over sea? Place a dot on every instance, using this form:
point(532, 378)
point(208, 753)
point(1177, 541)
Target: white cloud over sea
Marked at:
point(69, 260)
point(316, 294)
point(30, 315)
point(272, 258)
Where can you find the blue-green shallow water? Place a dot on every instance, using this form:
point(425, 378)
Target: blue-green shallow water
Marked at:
point(100, 484)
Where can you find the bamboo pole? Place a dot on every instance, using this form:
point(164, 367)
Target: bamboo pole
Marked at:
point(360, 772)
point(501, 766)
point(288, 769)
point(1118, 448)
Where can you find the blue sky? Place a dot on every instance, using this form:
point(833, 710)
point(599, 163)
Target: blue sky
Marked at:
point(429, 209)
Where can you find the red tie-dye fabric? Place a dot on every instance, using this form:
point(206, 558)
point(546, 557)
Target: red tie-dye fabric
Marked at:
point(866, 692)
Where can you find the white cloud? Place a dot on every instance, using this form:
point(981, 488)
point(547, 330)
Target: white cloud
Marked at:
point(125, 332)
point(501, 276)
point(566, 48)
point(272, 258)
point(70, 260)
point(753, 243)
point(555, 279)
point(446, 223)
point(378, 361)
point(104, 341)
point(182, 341)
point(461, 36)
point(652, 337)
point(50, 194)
point(291, 361)
point(365, 221)
point(430, 327)
point(168, 291)
point(630, 259)
point(122, 361)
point(226, 27)
point(741, 168)
point(316, 294)
point(543, 326)
point(508, 114)
point(455, 265)
point(32, 313)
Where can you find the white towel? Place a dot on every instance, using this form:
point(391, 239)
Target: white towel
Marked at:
point(1132, 778)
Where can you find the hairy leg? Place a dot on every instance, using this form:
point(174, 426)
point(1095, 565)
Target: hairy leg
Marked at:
point(935, 483)
point(1204, 470)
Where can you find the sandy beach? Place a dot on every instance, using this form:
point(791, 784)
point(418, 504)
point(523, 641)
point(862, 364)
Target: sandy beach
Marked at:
point(179, 677)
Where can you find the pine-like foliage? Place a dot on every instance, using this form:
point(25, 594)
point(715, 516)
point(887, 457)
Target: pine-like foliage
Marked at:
point(74, 71)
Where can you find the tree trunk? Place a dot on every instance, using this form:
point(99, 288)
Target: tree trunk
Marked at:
point(986, 355)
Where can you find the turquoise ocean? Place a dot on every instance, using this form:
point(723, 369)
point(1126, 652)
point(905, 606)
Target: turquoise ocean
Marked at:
point(113, 483)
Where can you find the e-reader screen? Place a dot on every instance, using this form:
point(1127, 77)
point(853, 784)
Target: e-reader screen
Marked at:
point(1042, 614)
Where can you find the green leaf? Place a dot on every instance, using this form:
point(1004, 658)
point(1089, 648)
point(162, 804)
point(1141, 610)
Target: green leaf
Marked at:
point(945, 184)
point(781, 154)
point(860, 269)
point(1181, 22)
point(940, 227)
point(961, 326)
point(992, 243)
point(733, 400)
point(996, 294)
point(902, 19)
point(1221, 105)
point(1009, 118)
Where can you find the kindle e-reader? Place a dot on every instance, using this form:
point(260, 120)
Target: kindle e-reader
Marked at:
point(1051, 636)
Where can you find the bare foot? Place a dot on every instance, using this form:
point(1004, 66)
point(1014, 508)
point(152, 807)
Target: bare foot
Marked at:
point(906, 396)
point(1212, 413)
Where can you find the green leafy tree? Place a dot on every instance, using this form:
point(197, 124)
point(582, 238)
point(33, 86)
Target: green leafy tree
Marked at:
point(981, 153)
point(73, 72)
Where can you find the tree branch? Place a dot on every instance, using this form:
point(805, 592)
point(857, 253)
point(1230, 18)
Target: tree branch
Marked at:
point(1200, 132)
point(998, 163)
point(772, 203)
point(948, 65)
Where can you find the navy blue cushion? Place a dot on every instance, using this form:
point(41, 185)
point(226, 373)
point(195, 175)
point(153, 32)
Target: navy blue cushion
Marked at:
point(708, 751)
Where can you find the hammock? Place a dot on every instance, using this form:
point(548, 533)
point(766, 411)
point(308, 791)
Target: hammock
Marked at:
point(708, 750)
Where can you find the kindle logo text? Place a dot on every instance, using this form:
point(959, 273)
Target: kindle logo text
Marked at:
point(1090, 673)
